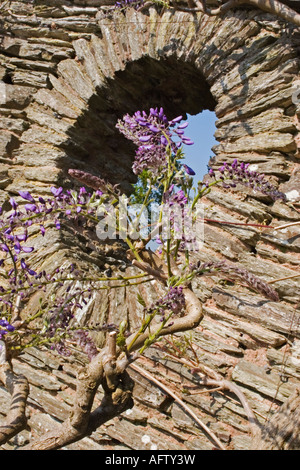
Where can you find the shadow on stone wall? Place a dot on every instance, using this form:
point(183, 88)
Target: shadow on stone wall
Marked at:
point(69, 72)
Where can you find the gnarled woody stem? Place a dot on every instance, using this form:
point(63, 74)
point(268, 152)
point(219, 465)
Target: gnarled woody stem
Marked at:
point(18, 387)
point(271, 6)
point(106, 370)
point(187, 322)
point(154, 265)
point(82, 422)
point(74, 428)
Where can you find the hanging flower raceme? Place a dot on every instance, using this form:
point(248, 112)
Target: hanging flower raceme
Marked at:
point(177, 220)
point(86, 343)
point(240, 173)
point(154, 135)
point(15, 254)
point(123, 4)
point(174, 211)
point(178, 197)
point(173, 301)
point(254, 282)
point(14, 227)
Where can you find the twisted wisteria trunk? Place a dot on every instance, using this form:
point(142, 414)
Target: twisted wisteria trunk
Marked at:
point(117, 386)
point(17, 385)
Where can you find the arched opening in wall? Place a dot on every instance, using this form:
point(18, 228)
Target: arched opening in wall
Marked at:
point(95, 144)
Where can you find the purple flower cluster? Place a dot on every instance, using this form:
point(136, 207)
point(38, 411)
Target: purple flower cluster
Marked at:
point(178, 198)
point(27, 281)
point(154, 134)
point(129, 3)
point(58, 327)
point(5, 327)
point(254, 282)
point(98, 184)
point(173, 301)
point(59, 323)
point(14, 228)
point(11, 243)
point(176, 210)
point(177, 220)
point(239, 173)
point(86, 343)
point(22, 279)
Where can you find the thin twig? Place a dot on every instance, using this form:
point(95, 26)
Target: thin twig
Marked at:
point(230, 386)
point(149, 270)
point(181, 402)
point(212, 378)
point(203, 392)
point(284, 278)
point(271, 6)
point(285, 225)
point(224, 222)
point(16, 311)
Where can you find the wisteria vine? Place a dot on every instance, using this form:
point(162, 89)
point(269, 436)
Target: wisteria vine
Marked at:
point(159, 160)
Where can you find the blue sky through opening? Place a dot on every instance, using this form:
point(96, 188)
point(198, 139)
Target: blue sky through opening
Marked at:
point(201, 131)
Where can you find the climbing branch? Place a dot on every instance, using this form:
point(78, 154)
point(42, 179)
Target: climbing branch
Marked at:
point(224, 384)
point(274, 7)
point(152, 263)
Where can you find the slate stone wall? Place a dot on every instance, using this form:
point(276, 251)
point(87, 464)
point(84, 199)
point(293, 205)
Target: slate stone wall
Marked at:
point(68, 71)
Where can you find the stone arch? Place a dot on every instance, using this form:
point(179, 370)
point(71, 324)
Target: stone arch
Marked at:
point(72, 118)
point(76, 115)
point(70, 71)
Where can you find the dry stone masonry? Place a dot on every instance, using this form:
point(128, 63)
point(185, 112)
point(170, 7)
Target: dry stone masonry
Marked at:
point(68, 71)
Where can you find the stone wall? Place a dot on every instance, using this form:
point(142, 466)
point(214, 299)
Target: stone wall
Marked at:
point(68, 71)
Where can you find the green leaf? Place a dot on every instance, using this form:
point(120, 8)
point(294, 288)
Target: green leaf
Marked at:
point(141, 300)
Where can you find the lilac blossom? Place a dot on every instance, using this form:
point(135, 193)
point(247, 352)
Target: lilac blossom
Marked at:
point(254, 282)
point(173, 301)
point(189, 170)
point(86, 343)
point(70, 204)
point(5, 327)
point(177, 219)
point(154, 135)
point(239, 173)
point(129, 3)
